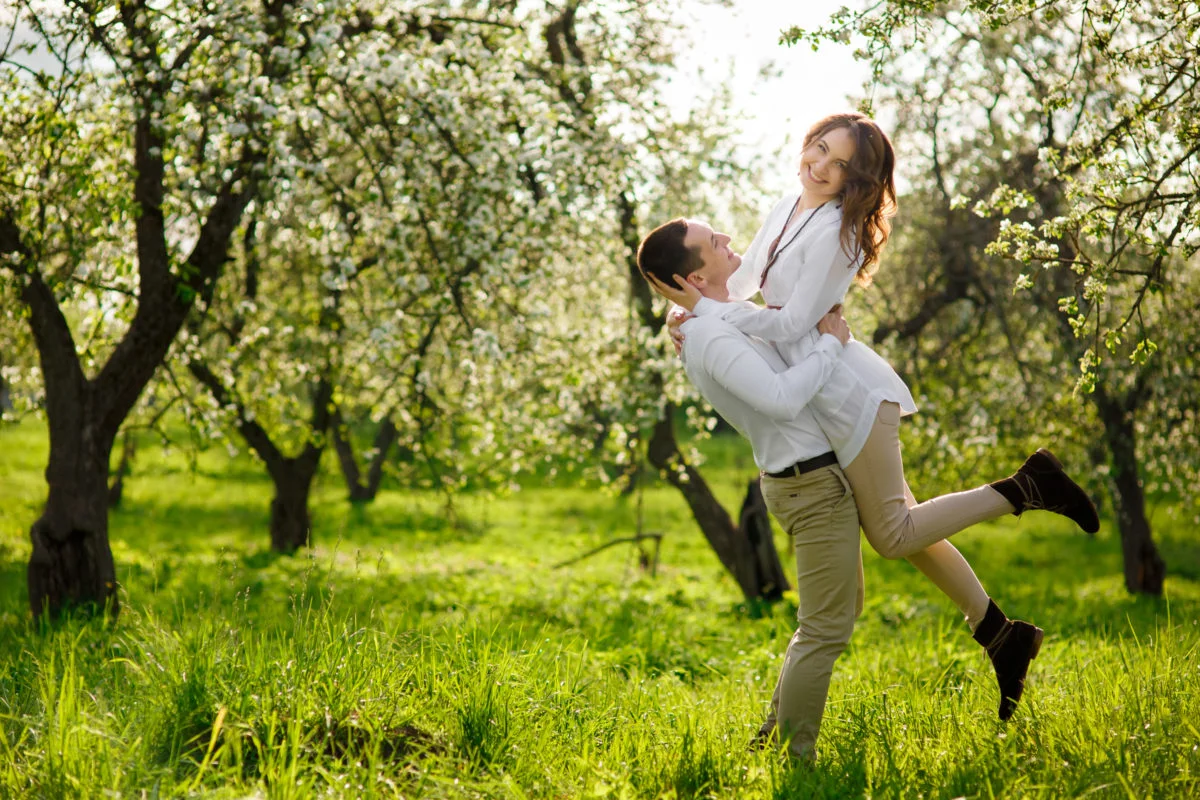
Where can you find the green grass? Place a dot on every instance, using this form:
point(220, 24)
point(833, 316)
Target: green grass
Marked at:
point(413, 655)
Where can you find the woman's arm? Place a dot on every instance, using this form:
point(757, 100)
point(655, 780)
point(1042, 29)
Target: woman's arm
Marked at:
point(743, 284)
point(822, 273)
point(732, 362)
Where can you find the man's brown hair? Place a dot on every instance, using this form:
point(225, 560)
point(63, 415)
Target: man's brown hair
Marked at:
point(663, 254)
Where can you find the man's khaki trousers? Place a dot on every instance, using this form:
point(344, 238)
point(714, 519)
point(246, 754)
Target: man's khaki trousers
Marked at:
point(817, 510)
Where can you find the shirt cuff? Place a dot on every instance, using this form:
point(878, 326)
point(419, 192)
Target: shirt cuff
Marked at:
point(830, 344)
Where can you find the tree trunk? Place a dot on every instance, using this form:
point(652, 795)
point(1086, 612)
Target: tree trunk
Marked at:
point(71, 565)
point(1144, 567)
point(385, 437)
point(291, 527)
point(754, 523)
point(747, 551)
point(5, 395)
point(349, 464)
point(363, 489)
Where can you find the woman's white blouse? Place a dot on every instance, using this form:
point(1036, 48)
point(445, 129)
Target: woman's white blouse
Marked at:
point(811, 274)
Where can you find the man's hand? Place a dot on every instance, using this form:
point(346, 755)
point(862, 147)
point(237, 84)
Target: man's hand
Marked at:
point(674, 320)
point(684, 294)
point(834, 323)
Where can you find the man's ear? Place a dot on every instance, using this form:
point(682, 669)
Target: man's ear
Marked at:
point(696, 279)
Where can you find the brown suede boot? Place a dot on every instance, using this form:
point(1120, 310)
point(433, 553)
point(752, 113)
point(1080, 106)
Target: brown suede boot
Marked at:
point(1040, 483)
point(1011, 644)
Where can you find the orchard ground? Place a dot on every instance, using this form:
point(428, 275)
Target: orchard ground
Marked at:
point(414, 653)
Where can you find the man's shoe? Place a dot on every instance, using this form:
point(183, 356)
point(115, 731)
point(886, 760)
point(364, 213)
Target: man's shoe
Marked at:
point(1040, 483)
point(1011, 644)
point(762, 740)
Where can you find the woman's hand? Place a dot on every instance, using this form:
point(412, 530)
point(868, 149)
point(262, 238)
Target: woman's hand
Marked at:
point(833, 323)
point(684, 294)
point(674, 320)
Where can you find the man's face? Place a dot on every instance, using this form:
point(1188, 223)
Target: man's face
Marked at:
point(718, 258)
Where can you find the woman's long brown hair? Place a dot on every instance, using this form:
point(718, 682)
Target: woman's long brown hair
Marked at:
point(869, 195)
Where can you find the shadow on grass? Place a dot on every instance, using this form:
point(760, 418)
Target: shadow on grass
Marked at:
point(1180, 549)
point(828, 779)
point(235, 521)
point(14, 598)
point(262, 559)
point(266, 586)
point(147, 524)
point(390, 519)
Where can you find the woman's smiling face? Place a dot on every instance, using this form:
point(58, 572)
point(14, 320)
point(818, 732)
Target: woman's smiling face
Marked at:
point(824, 162)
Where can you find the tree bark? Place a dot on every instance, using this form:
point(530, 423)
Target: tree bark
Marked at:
point(71, 566)
point(291, 526)
point(754, 523)
point(292, 476)
point(1144, 567)
point(71, 563)
point(747, 550)
point(5, 393)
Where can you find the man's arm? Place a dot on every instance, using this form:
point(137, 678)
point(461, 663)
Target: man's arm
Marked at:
point(730, 359)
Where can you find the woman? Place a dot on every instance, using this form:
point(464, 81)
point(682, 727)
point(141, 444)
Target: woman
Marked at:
point(803, 259)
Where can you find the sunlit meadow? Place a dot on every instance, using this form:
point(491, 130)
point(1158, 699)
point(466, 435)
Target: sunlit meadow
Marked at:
point(425, 651)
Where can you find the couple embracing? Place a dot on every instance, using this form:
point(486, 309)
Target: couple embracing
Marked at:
point(822, 413)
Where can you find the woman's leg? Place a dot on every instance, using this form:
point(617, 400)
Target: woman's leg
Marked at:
point(897, 526)
point(945, 566)
point(893, 528)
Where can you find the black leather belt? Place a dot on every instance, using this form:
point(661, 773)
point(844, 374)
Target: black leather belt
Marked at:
point(808, 465)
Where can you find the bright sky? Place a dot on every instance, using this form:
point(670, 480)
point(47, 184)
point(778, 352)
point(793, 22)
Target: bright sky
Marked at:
point(740, 42)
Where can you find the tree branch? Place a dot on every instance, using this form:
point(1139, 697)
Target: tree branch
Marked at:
point(254, 433)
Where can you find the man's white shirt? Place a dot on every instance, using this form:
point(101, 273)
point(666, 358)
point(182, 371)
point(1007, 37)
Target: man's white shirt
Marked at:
point(750, 385)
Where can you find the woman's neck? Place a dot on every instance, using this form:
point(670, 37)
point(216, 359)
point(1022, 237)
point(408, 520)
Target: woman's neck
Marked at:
point(809, 201)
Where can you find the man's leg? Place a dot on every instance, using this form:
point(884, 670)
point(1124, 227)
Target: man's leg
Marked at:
point(767, 729)
point(817, 510)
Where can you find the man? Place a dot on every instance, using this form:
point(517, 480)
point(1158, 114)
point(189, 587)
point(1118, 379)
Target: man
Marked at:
point(749, 384)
